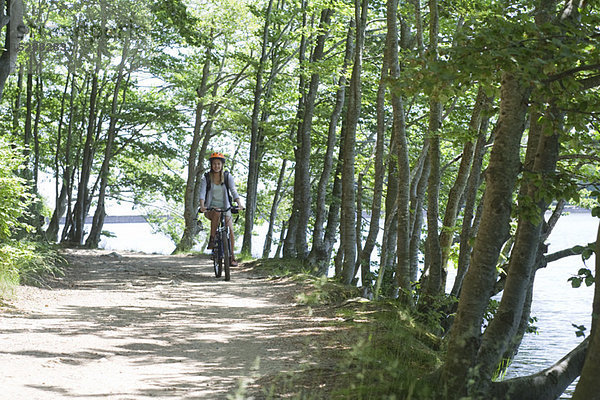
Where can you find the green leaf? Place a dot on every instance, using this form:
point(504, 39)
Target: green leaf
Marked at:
point(575, 282)
point(589, 280)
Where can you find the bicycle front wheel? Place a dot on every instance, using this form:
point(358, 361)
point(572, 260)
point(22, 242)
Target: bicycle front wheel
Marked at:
point(217, 262)
point(226, 254)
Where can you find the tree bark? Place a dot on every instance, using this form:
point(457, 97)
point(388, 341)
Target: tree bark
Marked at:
point(273, 214)
point(390, 228)
point(587, 387)
point(15, 31)
point(351, 122)
point(460, 183)
point(190, 213)
point(82, 204)
point(548, 384)
point(98, 221)
point(304, 140)
point(402, 278)
point(504, 164)
point(433, 254)
point(254, 157)
point(365, 253)
point(318, 253)
point(469, 224)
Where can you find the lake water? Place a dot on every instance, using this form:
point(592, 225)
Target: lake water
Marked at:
point(557, 305)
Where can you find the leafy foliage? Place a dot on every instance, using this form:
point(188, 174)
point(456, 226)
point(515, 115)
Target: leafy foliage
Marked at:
point(14, 195)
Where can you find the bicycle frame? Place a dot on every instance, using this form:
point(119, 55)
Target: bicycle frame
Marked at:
point(222, 251)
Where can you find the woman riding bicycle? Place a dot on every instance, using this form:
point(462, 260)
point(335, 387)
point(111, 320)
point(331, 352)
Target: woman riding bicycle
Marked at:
point(217, 189)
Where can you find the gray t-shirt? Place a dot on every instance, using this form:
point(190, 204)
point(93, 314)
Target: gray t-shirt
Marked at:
point(218, 196)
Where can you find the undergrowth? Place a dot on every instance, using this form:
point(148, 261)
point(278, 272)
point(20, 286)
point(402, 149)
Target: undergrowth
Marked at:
point(378, 349)
point(26, 262)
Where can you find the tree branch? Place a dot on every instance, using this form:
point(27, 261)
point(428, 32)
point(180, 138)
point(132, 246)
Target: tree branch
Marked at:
point(579, 157)
point(572, 71)
point(547, 384)
point(562, 254)
point(591, 82)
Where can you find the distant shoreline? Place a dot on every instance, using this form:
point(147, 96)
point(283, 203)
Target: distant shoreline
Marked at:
point(576, 210)
point(115, 219)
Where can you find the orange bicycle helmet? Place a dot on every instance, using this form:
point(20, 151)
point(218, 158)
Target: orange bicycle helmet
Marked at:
point(217, 155)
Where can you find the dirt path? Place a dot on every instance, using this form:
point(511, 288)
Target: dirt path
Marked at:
point(137, 326)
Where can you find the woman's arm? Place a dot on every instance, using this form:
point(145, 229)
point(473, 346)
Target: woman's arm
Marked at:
point(202, 194)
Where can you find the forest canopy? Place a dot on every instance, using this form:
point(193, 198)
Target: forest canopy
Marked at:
point(381, 143)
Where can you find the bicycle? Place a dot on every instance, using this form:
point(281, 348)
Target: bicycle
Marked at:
point(222, 250)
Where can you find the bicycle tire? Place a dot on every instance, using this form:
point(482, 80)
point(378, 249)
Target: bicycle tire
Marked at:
point(226, 253)
point(217, 264)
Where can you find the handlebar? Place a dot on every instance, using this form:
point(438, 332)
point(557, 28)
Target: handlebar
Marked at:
point(233, 209)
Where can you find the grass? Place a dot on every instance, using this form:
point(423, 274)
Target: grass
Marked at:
point(377, 349)
point(26, 262)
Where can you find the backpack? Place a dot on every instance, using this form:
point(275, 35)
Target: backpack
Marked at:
point(225, 179)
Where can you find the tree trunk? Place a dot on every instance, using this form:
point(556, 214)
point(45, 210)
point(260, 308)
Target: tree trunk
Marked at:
point(351, 122)
point(318, 254)
point(60, 194)
point(365, 253)
point(433, 254)
point(390, 229)
point(587, 387)
point(417, 201)
point(290, 246)
point(11, 16)
point(190, 213)
point(468, 224)
point(98, 220)
point(403, 168)
point(253, 162)
point(460, 183)
point(273, 214)
point(304, 140)
point(540, 162)
point(76, 233)
point(503, 168)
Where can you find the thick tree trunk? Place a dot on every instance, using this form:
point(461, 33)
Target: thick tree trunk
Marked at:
point(333, 222)
point(504, 164)
point(501, 330)
point(433, 253)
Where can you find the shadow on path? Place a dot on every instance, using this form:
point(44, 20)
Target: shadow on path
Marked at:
point(145, 326)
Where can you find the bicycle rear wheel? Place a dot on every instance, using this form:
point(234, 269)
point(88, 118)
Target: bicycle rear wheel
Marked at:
point(226, 254)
